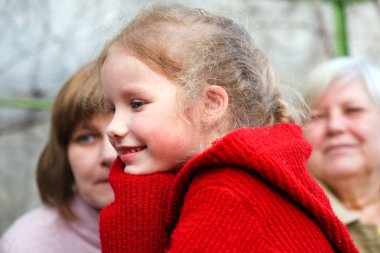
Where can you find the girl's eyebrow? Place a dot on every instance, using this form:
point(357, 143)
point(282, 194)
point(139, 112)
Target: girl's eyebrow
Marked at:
point(134, 90)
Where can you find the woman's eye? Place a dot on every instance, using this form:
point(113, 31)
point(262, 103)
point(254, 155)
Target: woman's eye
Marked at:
point(353, 110)
point(316, 116)
point(137, 103)
point(85, 138)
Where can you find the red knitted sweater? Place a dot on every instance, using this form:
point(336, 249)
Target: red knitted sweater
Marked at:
point(249, 192)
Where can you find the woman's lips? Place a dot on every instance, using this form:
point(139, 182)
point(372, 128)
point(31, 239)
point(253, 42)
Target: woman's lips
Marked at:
point(339, 148)
point(103, 181)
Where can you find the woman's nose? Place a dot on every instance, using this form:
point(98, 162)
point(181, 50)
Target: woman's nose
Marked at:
point(336, 122)
point(108, 154)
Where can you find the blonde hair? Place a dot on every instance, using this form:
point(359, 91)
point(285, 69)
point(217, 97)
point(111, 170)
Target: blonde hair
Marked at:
point(194, 48)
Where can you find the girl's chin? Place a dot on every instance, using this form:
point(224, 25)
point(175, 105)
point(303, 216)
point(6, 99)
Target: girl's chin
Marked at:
point(134, 170)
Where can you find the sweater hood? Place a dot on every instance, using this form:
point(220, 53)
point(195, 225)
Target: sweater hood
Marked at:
point(278, 155)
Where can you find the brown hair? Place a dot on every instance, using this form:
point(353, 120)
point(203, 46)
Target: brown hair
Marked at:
point(193, 49)
point(79, 99)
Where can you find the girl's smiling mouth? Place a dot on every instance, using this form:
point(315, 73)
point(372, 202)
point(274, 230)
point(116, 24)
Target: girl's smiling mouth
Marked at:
point(133, 150)
point(126, 153)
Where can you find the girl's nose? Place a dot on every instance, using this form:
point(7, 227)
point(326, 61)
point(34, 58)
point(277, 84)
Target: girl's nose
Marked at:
point(117, 128)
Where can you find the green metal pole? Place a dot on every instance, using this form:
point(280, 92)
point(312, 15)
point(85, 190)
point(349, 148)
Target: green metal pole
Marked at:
point(341, 40)
point(24, 103)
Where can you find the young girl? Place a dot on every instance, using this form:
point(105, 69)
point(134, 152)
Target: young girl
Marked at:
point(206, 162)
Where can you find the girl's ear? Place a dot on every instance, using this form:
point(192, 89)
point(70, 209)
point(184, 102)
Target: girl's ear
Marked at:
point(215, 104)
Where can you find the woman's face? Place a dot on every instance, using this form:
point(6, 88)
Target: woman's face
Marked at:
point(344, 132)
point(91, 155)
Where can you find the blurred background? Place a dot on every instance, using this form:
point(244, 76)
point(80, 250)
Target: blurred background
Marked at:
point(43, 42)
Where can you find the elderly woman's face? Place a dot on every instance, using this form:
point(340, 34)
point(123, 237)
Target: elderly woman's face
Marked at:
point(344, 132)
point(91, 155)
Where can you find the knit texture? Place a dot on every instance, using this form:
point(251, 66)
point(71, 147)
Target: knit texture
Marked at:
point(134, 222)
point(249, 192)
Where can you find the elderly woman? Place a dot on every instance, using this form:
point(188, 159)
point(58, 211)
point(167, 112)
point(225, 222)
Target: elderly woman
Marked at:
point(344, 131)
point(72, 175)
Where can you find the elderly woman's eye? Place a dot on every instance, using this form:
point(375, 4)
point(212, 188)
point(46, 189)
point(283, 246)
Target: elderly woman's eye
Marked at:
point(353, 110)
point(316, 116)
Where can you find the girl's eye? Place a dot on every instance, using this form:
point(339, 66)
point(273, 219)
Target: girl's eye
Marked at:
point(137, 103)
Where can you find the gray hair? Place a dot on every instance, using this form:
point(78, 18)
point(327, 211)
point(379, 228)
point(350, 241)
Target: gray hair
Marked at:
point(341, 70)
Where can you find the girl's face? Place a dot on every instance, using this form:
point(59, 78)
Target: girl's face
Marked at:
point(344, 133)
point(147, 129)
point(91, 155)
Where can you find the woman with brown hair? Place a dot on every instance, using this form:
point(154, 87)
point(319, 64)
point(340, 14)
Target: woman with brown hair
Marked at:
point(72, 174)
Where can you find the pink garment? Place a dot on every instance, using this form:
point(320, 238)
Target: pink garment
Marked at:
point(43, 230)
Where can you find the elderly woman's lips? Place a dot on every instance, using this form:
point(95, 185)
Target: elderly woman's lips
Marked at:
point(340, 148)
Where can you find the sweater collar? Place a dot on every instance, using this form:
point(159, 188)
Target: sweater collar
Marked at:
point(86, 223)
point(277, 154)
point(345, 215)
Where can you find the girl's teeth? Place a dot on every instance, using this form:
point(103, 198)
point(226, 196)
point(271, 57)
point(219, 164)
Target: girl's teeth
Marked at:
point(134, 150)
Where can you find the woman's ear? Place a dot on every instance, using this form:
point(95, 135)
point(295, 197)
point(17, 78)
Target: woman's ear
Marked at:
point(215, 104)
